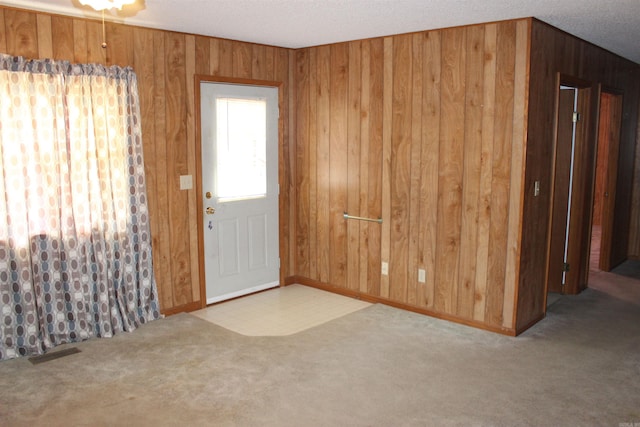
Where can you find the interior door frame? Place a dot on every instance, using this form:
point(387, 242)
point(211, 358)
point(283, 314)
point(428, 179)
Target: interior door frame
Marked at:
point(606, 242)
point(561, 191)
point(198, 79)
point(582, 188)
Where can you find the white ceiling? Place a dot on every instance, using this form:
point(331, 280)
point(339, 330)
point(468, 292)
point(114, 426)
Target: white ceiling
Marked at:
point(611, 24)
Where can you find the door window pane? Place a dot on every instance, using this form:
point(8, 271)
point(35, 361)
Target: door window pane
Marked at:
point(241, 170)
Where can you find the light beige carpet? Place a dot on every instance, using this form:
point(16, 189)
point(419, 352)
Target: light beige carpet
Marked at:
point(378, 366)
point(280, 311)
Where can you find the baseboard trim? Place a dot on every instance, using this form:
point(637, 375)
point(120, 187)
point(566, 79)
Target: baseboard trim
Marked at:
point(192, 306)
point(420, 310)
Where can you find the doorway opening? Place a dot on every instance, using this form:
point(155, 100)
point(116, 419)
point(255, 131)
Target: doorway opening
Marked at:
point(569, 228)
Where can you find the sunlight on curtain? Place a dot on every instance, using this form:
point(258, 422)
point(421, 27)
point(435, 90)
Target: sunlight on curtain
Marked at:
point(75, 243)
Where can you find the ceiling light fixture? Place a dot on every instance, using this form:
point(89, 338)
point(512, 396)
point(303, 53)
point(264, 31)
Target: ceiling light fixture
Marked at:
point(101, 6)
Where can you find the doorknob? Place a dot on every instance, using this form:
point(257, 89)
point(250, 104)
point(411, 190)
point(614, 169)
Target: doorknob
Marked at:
point(210, 210)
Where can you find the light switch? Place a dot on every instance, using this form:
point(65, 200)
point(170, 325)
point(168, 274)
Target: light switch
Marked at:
point(186, 182)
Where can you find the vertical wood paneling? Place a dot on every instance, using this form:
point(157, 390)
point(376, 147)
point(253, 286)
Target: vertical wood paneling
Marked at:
point(226, 61)
point(144, 66)
point(464, 126)
point(165, 63)
point(62, 33)
point(471, 170)
point(400, 185)
point(353, 165)
point(429, 181)
point(202, 55)
point(214, 57)
point(95, 52)
point(241, 53)
point(517, 190)
point(3, 33)
point(192, 219)
point(501, 173)
point(376, 156)
point(258, 62)
point(80, 40)
point(553, 52)
point(119, 35)
point(486, 168)
point(414, 146)
point(311, 135)
point(338, 174)
point(365, 144)
point(274, 57)
point(302, 162)
point(533, 268)
point(270, 64)
point(416, 159)
point(323, 166)
point(21, 33)
point(284, 72)
point(387, 117)
point(442, 124)
point(162, 241)
point(175, 80)
point(450, 169)
point(45, 41)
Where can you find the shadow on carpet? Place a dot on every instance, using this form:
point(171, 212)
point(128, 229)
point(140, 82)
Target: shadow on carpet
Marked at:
point(629, 268)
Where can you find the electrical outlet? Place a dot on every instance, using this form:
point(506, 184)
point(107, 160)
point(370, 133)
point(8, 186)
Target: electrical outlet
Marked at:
point(385, 268)
point(422, 276)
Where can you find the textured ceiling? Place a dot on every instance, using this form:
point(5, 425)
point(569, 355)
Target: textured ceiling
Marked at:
point(611, 24)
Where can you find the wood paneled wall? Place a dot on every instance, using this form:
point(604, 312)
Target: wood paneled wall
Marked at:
point(440, 133)
point(427, 132)
point(165, 63)
point(553, 52)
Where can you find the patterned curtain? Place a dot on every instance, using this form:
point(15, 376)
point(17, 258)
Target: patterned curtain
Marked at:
point(75, 243)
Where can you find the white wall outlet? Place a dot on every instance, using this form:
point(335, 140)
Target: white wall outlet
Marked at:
point(385, 268)
point(186, 182)
point(422, 275)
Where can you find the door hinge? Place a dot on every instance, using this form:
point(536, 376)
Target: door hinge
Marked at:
point(565, 267)
point(576, 117)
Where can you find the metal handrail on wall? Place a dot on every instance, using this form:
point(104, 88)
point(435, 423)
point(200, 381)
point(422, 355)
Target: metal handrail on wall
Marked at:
point(359, 218)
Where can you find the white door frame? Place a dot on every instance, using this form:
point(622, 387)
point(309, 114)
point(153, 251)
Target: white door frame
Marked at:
point(199, 189)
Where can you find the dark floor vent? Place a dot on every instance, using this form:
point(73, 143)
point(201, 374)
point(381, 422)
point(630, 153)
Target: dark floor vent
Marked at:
point(35, 360)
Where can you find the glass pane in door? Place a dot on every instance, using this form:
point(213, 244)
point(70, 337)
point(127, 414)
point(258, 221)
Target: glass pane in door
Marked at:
point(241, 169)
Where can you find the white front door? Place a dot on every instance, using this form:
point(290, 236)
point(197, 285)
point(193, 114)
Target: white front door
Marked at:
point(239, 188)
